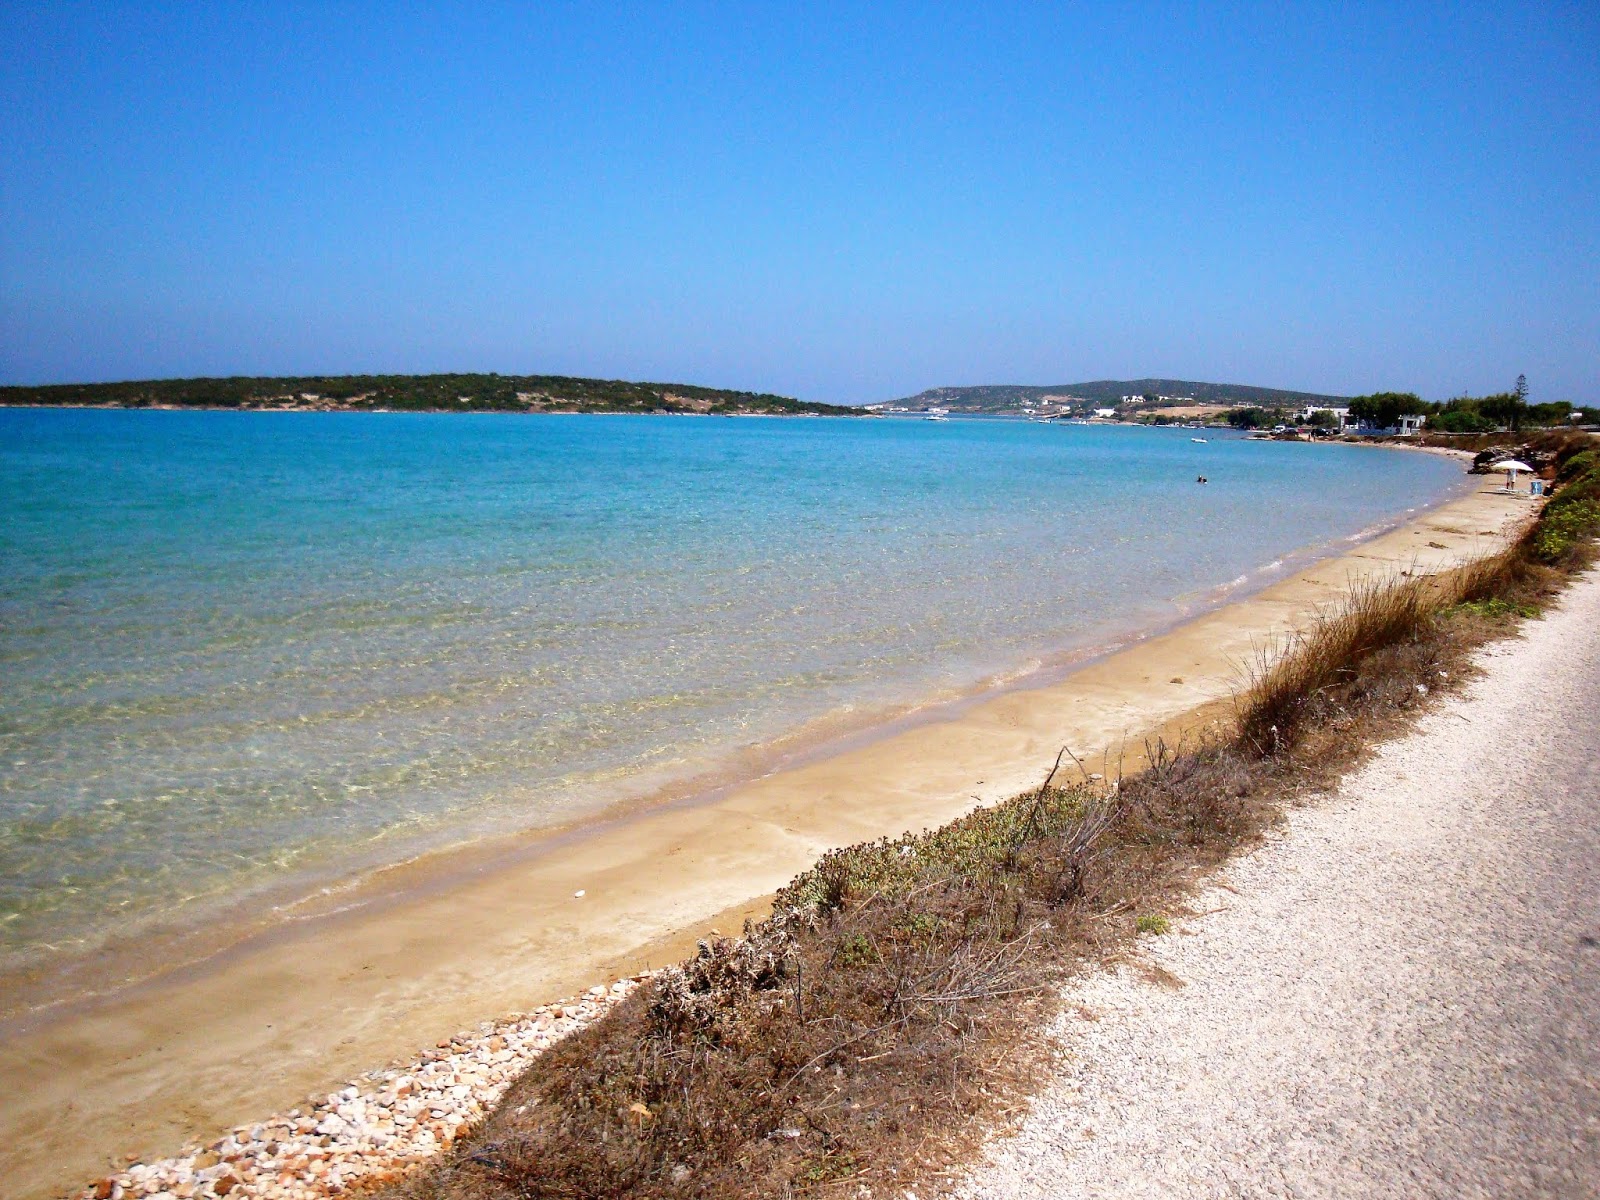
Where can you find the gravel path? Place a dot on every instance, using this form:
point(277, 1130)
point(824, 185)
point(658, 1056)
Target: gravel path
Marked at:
point(1399, 996)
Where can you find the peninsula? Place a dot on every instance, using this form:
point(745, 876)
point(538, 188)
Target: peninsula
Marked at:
point(418, 393)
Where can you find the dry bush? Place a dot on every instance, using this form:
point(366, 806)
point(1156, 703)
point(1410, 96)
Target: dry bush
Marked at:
point(1285, 690)
point(875, 1013)
point(1538, 443)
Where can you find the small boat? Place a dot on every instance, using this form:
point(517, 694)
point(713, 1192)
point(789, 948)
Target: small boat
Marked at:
point(1202, 441)
point(935, 417)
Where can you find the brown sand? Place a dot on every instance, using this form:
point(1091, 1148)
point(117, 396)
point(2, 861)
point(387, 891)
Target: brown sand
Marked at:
point(256, 1029)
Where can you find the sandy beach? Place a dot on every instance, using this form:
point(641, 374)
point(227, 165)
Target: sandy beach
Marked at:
point(443, 943)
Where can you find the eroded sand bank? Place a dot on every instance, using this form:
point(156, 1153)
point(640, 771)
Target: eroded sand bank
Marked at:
point(256, 1029)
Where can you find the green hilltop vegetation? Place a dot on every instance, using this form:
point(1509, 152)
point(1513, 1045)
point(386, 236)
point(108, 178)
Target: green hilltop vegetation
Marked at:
point(1107, 393)
point(419, 393)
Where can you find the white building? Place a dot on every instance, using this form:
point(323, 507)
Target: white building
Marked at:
point(1340, 414)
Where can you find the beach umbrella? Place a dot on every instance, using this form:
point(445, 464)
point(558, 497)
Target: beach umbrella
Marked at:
point(1509, 464)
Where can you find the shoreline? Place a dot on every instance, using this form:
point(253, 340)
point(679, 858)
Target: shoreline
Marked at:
point(199, 1051)
point(45, 989)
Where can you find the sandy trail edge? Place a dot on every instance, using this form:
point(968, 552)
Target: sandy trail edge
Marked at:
point(1399, 995)
point(258, 1029)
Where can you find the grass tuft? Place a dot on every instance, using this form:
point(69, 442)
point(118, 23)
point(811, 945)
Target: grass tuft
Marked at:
point(1288, 689)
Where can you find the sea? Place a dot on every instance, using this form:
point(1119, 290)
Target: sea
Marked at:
point(244, 655)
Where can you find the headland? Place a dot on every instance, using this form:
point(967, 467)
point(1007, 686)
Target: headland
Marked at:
point(464, 393)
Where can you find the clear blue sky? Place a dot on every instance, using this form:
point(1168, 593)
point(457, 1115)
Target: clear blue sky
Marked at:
point(842, 204)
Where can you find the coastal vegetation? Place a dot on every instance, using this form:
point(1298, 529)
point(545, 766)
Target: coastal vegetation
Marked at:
point(862, 1036)
point(1501, 412)
point(1572, 516)
point(1383, 410)
point(419, 393)
point(1508, 410)
point(1269, 418)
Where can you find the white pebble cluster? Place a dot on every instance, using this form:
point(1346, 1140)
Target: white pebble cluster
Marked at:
point(382, 1124)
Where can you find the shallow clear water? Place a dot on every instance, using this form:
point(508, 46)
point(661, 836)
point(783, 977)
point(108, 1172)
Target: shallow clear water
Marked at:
point(237, 648)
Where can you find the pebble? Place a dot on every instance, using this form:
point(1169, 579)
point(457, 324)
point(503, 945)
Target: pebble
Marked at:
point(377, 1127)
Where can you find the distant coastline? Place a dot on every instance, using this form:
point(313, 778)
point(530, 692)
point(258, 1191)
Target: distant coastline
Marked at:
point(416, 393)
point(1085, 397)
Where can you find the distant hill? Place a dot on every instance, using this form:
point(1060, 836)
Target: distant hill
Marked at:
point(1106, 393)
point(419, 393)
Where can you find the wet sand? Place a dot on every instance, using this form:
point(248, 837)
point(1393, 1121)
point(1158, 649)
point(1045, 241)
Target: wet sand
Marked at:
point(284, 1014)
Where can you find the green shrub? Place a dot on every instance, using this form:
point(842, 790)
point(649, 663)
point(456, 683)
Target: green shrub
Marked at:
point(1581, 490)
point(1152, 923)
point(1495, 609)
point(1578, 464)
point(1564, 525)
point(1461, 421)
point(857, 951)
point(1573, 513)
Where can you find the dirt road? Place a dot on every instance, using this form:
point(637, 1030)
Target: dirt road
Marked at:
point(1398, 996)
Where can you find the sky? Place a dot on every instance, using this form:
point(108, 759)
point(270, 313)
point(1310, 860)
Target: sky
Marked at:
point(839, 203)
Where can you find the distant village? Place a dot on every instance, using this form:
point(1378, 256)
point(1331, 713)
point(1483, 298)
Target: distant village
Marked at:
point(1181, 411)
point(1374, 416)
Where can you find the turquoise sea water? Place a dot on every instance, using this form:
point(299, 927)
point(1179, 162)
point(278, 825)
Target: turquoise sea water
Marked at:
point(238, 649)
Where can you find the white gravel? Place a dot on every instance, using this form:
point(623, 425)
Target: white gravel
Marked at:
point(1397, 996)
point(381, 1125)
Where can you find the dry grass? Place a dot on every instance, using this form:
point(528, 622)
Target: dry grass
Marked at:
point(1538, 442)
point(854, 1035)
point(867, 1033)
point(1289, 689)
